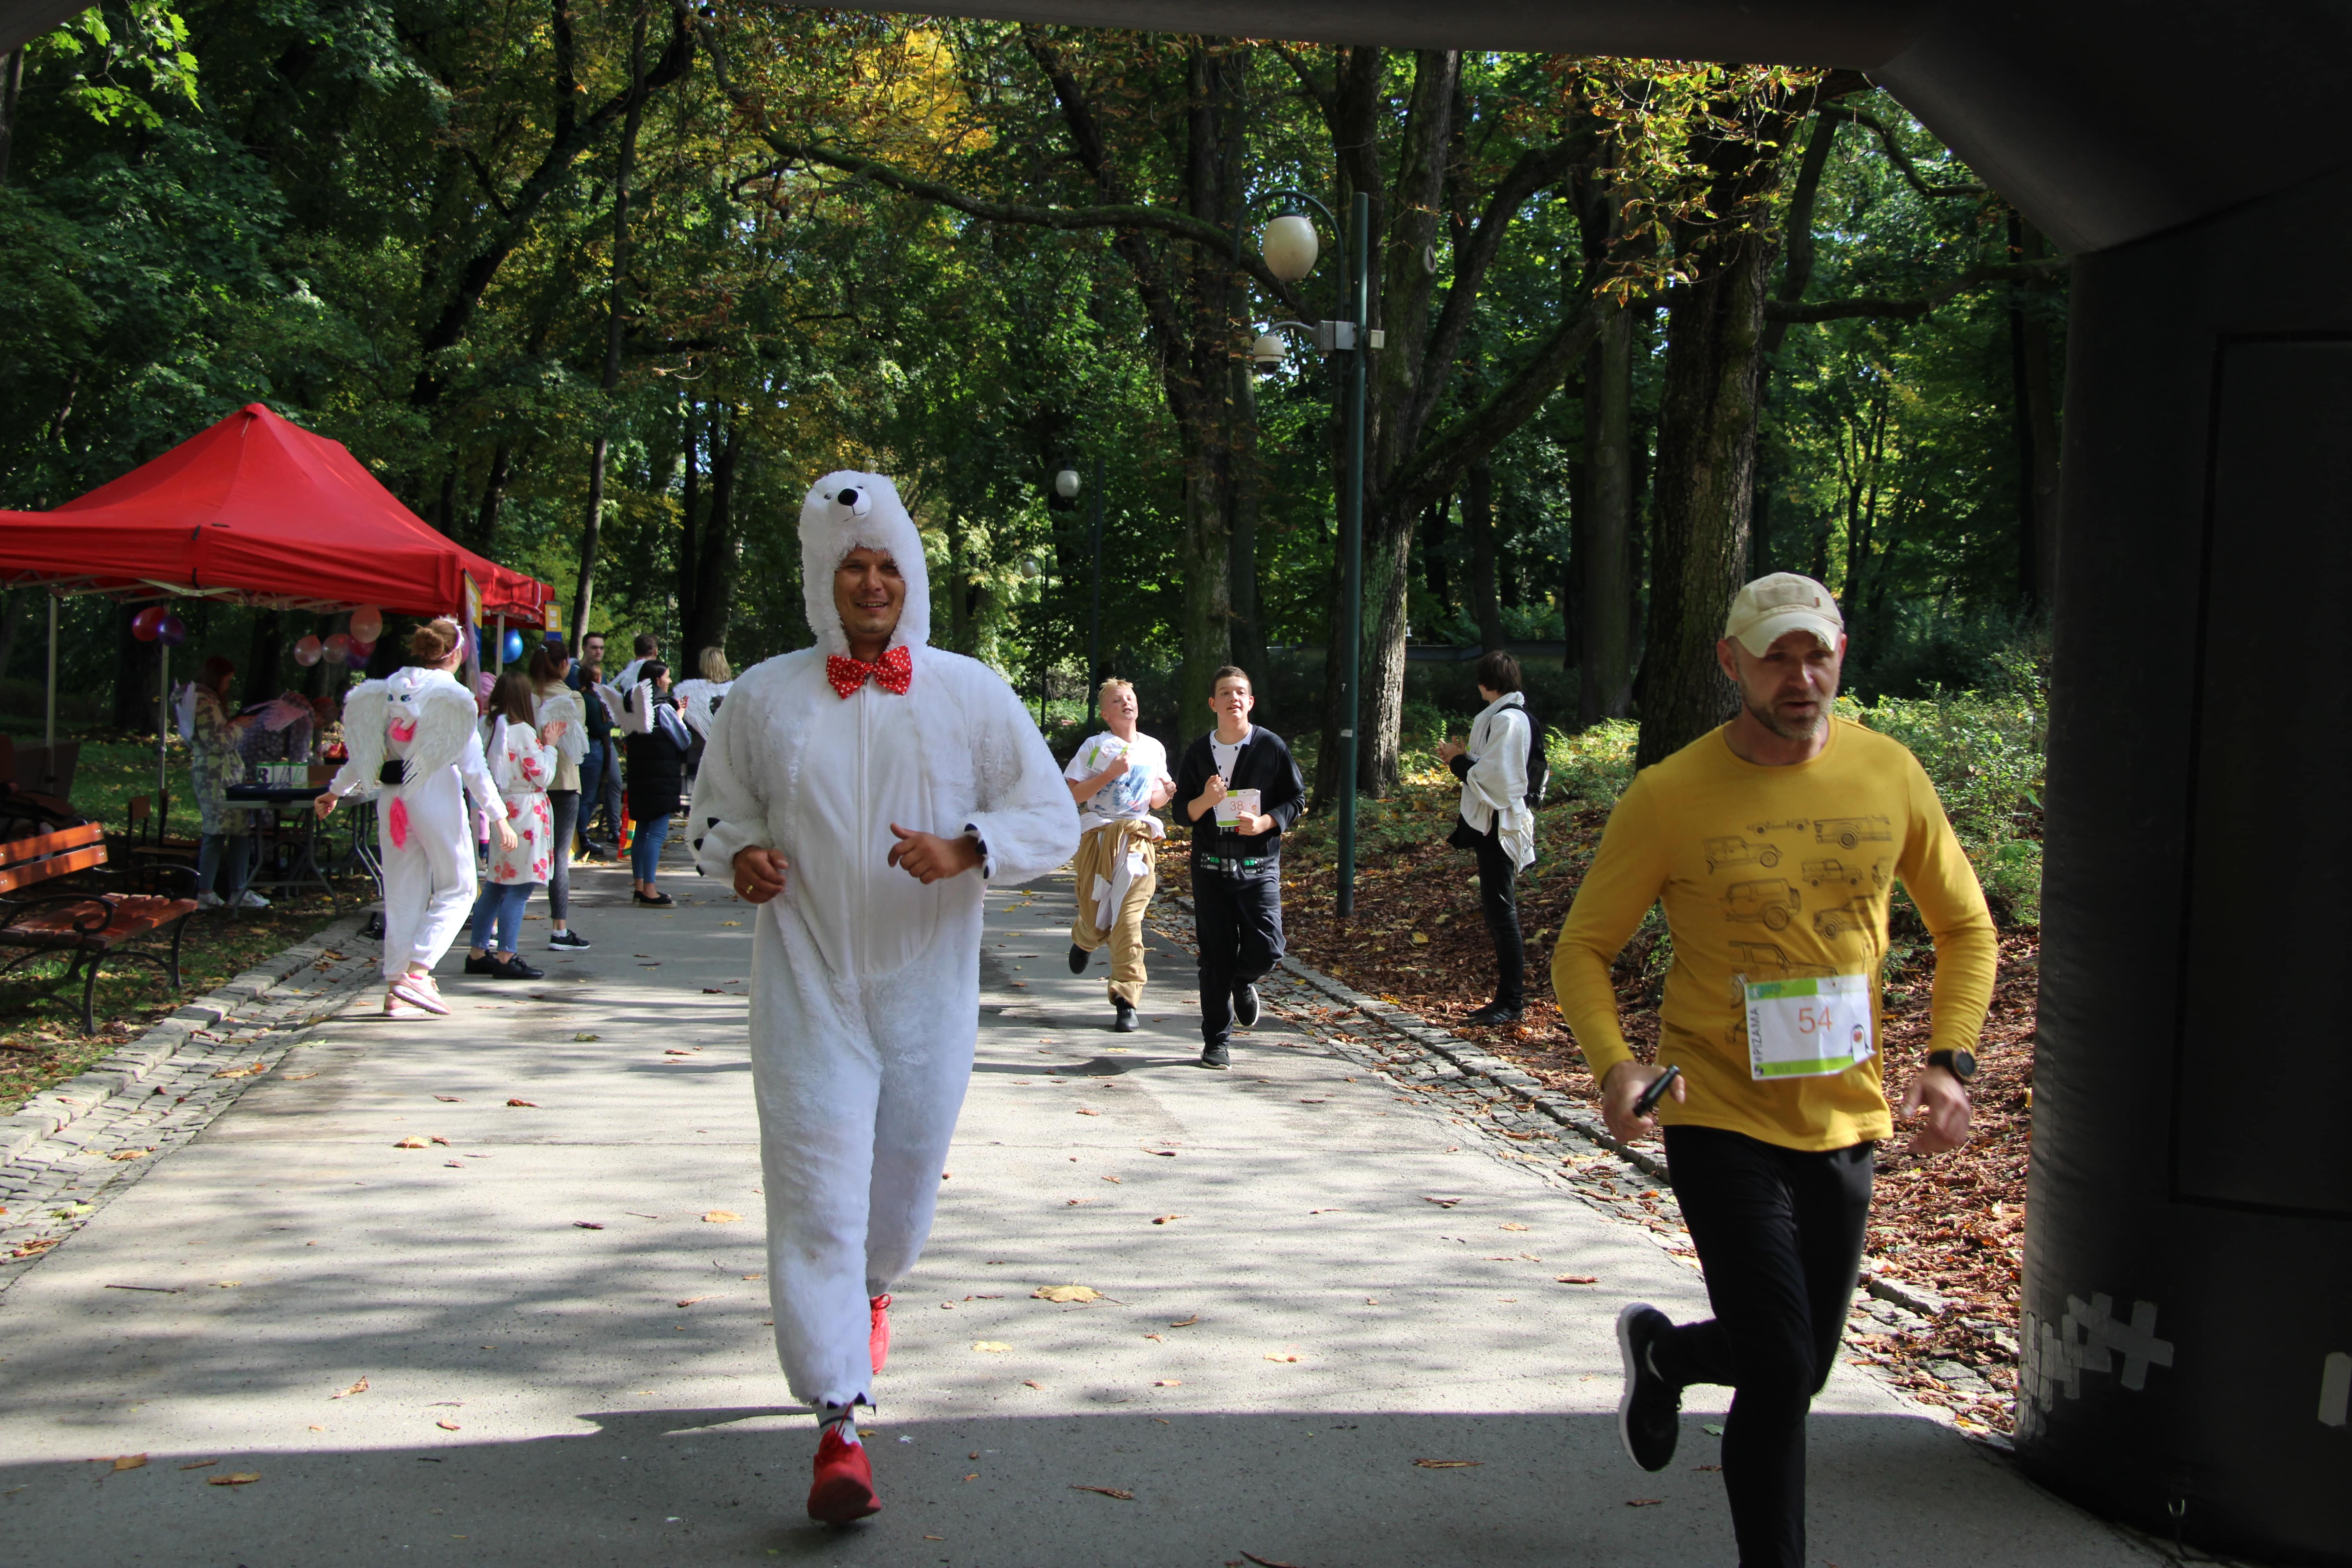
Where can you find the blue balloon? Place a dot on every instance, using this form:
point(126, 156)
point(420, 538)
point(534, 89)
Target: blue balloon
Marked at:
point(512, 649)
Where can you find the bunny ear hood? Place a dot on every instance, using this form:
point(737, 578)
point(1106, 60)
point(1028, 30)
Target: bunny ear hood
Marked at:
point(846, 510)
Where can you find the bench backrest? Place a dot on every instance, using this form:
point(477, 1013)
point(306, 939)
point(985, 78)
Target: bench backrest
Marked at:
point(45, 856)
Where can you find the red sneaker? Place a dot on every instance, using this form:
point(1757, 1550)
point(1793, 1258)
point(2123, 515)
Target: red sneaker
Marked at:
point(843, 1489)
point(877, 1334)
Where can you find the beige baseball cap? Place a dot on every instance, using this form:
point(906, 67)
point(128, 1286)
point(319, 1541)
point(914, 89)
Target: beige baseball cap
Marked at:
point(1770, 607)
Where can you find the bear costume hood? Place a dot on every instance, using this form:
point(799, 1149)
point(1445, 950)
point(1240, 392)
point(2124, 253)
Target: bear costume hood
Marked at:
point(844, 510)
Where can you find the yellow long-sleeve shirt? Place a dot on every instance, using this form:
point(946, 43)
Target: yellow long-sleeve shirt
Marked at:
point(1773, 873)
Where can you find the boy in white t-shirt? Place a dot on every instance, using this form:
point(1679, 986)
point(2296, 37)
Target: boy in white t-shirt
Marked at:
point(1118, 777)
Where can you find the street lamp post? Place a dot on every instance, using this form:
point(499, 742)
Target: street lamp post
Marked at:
point(1094, 610)
point(1289, 248)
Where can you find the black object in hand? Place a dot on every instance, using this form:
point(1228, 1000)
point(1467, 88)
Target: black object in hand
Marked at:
point(1655, 1092)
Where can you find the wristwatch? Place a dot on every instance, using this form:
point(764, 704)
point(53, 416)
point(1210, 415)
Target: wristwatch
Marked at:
point(1960, 1064)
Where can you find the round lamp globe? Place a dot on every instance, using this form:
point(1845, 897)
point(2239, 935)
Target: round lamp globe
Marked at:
point(1289, 246)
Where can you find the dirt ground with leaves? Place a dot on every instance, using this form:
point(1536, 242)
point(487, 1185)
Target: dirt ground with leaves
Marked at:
point(1953, 1225)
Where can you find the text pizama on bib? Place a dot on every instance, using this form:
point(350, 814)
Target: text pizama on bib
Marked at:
point(1808, 1028)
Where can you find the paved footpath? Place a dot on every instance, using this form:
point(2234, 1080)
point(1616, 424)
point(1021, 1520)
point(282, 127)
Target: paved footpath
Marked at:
point(442, 1326)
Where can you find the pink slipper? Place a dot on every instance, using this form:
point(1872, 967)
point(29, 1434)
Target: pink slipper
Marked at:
point(418, 990)
point(394, 1008)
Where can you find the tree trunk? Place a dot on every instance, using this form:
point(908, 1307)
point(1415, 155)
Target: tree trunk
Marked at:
point(714, 585)
point(1604, 531)
point(958, 585)
point(1388, 574)
point(2035, 411)
point(12, 84)
point(1242, 512)
point(689, 548)
point(1478, 526)
point(583, 597)
point(1708, 411)
point(1205, 554)
point(494, 495)
point(11, 620)
point(1435, 523)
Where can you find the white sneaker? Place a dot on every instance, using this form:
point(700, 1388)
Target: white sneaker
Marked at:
point(208, 899)
point(249, 899)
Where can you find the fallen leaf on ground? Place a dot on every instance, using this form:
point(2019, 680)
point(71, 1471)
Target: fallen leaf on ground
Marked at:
point(248, 1072)
point(131, 1462)
point(529, 1104)
point(991, 1347)
point(1579, 1278)
point(583, 1037)
point(443, 1141)
point(358, 1387)
point(1169, 1382)
point(1513, 1225)
point(706, 991)
point(690, 1300)
point(1112, 1179)
point(1031, 1382)
point(1266, 1562)
point(121, 1155)
point(448, 1099)
point(1107, 1492)
point(313, 1427)
point(1712, 1429)
point(446, 1426)
point(1065, 1293)
point(411, 1143)
point(1163, 1154)
point(721, 1216)
point(1163, 1219)
point(242, 1478)
point(1442, 1203)
point(297, 1076)
point(1449, 1464)
point(455, 1164)
point(737, 924)
point(1272, 1356)
point(198, 1464)
point(1643, 1502)
point(1083, 1111)
point(1711, 1467)
point(1185, 1322)
point(226, 1284)
point(586, 1225)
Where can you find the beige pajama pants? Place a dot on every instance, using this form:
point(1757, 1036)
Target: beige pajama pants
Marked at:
point(1099, 851)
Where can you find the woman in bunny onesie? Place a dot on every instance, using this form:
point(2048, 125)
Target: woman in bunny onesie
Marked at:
point(864, 793)
point(412, 735)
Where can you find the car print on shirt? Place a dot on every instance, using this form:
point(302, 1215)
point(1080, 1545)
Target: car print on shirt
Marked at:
point(1795, 824)
point(1771, 901)
point(1845, 832)
point(1737, 851)
point(1816, 872)
point(1855, 915)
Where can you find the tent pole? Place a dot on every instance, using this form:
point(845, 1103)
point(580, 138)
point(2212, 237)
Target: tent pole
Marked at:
point(49, 726)
point(498, 654)
point(163, 732)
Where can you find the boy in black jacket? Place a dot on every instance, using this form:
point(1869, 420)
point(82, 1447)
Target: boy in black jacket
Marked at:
point(1236, 857)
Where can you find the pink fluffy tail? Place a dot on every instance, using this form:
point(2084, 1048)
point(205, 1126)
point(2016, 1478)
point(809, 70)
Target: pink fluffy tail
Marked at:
point(396, 820)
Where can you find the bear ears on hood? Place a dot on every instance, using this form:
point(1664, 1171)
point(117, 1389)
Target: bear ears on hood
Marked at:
point(843, 511)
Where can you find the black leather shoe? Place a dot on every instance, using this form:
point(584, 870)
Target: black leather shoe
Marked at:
point(513, 967)
point(1122, 1020)
point(1079, 958)
point(1216, 1057)
point(485, 964)
point(1649, 1411)
point(1245, 1007)
point(1495, 1013)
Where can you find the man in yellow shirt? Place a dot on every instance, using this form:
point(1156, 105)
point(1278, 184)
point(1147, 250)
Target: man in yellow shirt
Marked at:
point(1773, 843)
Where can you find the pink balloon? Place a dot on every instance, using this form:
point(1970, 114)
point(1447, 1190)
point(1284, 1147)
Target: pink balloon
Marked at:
point(362, 650)
point(337, 648)
point(367, 625)
point(307, 651)
point(148, 622)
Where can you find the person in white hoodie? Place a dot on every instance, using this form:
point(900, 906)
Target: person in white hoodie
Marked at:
point(864, 793)
point(412, 735)
point(1498, 821)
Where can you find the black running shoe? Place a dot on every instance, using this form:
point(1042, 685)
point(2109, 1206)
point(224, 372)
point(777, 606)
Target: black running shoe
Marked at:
point(1122, 1020)
point(1649, 1412)
point(567, 939)
point(481, 964)
point(513, 967)
point(1079, 959)
point(1245, 1007)
point(1494, 1012)
point(1216, 1057)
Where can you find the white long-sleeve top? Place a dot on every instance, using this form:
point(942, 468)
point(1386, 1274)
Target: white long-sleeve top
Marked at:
point(423, 720)
point(792, 765)
point(1495, 790)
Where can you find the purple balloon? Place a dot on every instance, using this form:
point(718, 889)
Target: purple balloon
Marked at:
point(172, 632)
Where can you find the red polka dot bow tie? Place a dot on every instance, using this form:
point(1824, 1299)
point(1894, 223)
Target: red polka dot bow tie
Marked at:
point(892, 672)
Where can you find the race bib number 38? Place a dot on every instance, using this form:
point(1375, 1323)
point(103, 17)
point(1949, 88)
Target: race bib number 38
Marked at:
point(1808, 1028)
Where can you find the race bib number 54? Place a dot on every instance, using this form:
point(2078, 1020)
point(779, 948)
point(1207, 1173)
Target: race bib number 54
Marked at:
point(1808, 1028)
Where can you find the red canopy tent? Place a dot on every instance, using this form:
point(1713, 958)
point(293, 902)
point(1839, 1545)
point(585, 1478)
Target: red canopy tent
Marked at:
point(256, 510)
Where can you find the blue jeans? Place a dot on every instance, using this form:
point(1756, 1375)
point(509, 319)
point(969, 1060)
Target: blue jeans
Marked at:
point(240, 861)
point(497, 911)
point(600, 790)
point(644, 853)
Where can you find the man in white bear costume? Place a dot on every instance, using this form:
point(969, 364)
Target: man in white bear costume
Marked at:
point(863, 793)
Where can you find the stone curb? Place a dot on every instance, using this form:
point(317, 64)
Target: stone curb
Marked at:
point(55, 1108)
point(1570, 1113)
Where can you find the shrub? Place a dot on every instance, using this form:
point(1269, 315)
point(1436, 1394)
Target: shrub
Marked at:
point(1594, 764)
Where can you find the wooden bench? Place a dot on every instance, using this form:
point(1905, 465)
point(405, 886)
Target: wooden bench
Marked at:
point(89, 928)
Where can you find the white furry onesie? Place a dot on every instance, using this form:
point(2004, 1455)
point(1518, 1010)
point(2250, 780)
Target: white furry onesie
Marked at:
point(865, 982)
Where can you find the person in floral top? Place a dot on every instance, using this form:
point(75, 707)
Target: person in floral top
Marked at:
point(214, 763)
point(523, 762)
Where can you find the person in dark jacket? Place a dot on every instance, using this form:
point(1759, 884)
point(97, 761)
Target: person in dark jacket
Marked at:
point(1240, 790)
point(600, 770)
point(656, 780)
